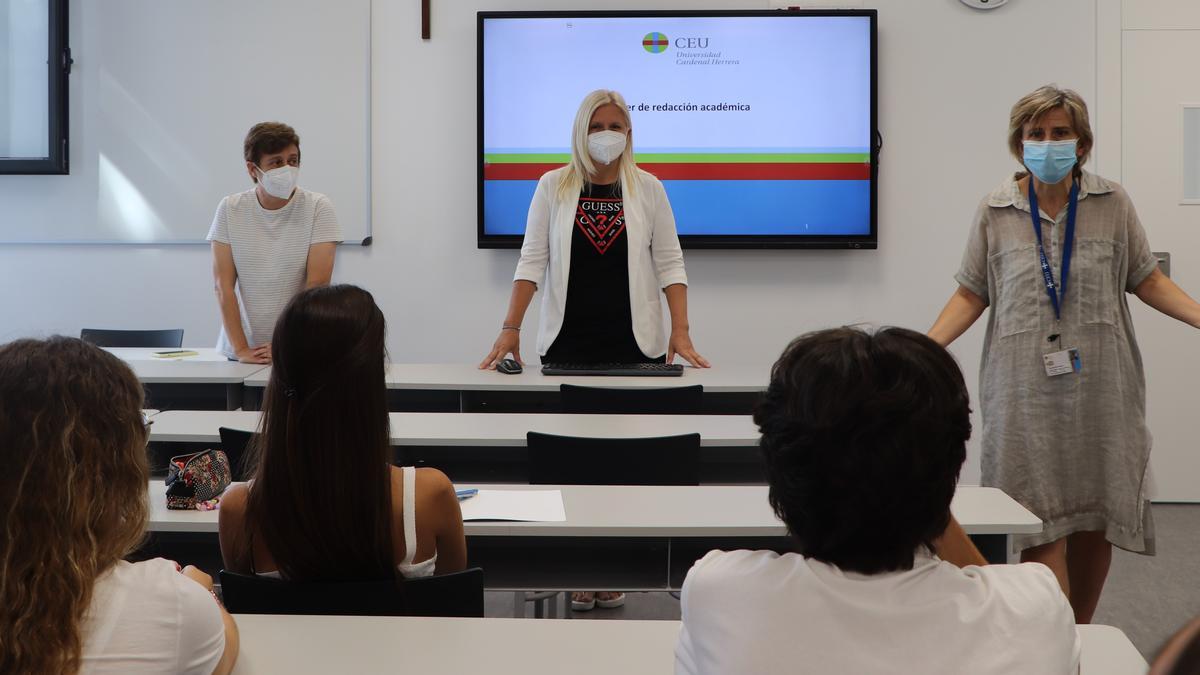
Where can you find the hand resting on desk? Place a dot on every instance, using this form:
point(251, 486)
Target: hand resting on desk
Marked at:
point(259, 354)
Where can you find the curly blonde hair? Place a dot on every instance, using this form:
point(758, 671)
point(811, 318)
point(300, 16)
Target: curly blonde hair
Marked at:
point(72, 492)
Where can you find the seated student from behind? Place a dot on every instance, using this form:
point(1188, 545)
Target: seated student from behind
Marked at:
point(864, 436)
point(325, 502)
point(73, 505)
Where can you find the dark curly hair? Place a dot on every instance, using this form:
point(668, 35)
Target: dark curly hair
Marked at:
point(864, 436)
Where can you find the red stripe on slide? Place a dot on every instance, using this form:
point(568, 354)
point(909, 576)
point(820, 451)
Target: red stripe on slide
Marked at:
point(516, 171)
point(712, 171)
point(759, 171)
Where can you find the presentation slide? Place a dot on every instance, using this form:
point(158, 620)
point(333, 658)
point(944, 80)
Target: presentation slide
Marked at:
point(756, 125)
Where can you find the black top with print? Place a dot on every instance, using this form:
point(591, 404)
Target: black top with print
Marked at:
point(598, 324)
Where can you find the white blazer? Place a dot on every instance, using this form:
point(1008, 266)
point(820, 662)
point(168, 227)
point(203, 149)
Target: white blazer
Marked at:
point(655, 259)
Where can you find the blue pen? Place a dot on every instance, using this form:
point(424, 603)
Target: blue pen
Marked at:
point(466, 494)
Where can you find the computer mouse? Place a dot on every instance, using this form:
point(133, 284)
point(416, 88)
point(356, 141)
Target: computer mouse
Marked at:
point(508, 367)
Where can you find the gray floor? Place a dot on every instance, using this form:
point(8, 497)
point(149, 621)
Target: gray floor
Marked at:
point(1151, 597)
point(1147, 597)
point(637, 606)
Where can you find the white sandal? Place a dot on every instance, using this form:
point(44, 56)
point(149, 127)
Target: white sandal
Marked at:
point(611, 603)
point(583, 605)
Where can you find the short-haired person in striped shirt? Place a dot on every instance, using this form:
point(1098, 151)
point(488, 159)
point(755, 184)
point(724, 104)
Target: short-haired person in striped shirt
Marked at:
point(269, 243)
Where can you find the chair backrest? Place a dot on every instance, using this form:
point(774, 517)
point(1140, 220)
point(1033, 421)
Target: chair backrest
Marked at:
point(601, 400)
point(168, 339)
point(233, 442)
point(455, 594)
point(570, 460)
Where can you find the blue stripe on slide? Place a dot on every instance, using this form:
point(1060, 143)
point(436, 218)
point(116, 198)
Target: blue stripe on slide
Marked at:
point(741, 207)
point(778, 207)
point(506, 205)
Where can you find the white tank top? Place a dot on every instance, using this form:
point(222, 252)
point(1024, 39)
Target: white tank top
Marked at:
point(408, 569)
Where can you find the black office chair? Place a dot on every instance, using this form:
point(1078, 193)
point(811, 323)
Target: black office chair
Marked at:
point(601, 400)
point(454, 594)
point(167, 339)
point(233, 442)
point(570, 460)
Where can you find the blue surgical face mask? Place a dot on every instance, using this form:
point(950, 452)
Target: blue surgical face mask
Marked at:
point(1050, 161)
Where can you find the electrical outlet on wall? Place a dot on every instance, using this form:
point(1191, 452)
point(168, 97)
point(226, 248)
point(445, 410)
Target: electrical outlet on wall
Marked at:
point(1164, 261)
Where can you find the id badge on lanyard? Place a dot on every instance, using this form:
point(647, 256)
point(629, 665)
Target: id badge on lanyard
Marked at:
point(1065, 361)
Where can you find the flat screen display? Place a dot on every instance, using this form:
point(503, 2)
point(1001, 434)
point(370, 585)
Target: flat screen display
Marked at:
point(760, 124)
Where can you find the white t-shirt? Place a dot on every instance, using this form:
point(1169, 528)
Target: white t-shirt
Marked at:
point(270, 252)
point(751, 612)
point(148, 618)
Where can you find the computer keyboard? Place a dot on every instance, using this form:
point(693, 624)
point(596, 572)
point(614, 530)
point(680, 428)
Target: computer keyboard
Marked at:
point(620, 369)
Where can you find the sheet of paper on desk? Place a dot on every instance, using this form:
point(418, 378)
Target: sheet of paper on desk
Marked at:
point(525, 505)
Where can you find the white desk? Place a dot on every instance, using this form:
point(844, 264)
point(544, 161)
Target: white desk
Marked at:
point(468, 377)
point(463, 387)
point(658, 511)
point(207, 354)
point(437, 646)
point(209, 369)
point(482, 429)
point(1108, 651)
point(625, 537)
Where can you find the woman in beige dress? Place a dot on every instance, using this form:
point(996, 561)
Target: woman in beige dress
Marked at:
point(1061, 383)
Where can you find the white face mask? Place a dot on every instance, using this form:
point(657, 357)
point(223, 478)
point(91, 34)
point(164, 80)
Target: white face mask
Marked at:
point(606, 146)
point(280, 182)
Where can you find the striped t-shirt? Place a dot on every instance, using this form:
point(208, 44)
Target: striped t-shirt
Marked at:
point(270, 254)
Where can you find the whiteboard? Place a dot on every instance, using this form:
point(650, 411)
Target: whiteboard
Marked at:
point(161, 97)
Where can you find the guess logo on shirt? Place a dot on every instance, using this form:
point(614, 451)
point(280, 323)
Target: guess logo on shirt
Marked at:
point(602, 220)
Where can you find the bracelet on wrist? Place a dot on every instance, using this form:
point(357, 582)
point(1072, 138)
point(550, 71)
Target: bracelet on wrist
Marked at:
point(516, 328)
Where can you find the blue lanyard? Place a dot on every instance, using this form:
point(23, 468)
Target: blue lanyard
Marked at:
point(1068, 246)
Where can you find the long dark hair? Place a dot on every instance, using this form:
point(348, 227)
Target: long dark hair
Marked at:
point(322, 499)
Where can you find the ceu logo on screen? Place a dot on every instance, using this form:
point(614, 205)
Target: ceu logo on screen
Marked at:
point(655, 43)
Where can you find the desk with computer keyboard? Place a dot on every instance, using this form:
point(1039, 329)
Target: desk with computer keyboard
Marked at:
point(462, 387)
point(613, 369)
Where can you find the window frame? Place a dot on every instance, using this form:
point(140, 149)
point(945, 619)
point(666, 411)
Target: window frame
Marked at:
point(58, 62)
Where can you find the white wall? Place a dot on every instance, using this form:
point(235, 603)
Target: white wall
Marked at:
point(947, 77)
point(156, 132)
point(1159, 43)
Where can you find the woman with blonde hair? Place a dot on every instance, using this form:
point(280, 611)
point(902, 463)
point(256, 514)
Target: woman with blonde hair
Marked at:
point(601, 237)
point(1053, 251)
point(73, 505)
